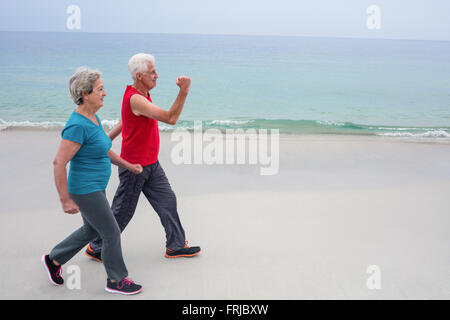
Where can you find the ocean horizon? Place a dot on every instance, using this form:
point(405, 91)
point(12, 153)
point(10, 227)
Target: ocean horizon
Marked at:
point(299, 85)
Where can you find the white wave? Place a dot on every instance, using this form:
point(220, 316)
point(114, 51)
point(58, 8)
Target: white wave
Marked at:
point(427, 134)
point(190, 126)
point(46, 124)
point(231, 122)
point(405, 129)
point(173, 128)
point(109, 124)
point(330, 123)
point(386, 128)
point(165, 128)
point(28, 124)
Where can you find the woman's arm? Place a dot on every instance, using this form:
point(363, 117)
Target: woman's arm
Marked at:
point(118, 161)
point(67, 150)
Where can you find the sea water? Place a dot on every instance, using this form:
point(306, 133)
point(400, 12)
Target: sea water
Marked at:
point(299, 85)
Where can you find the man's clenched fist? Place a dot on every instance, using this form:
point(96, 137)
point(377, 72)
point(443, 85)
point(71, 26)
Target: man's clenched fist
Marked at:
point(184, 83)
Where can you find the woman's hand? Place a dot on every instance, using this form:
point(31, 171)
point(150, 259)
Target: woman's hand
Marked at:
point(69, 206)
point(135, 168)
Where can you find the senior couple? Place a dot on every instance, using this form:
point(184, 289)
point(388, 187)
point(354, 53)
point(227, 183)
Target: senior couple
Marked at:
point(87, 147)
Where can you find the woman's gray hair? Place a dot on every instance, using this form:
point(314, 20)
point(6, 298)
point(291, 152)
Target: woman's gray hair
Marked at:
point(139, 63)
point(82, 81)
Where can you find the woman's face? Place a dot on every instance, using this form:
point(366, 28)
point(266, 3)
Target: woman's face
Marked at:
point(95, 98)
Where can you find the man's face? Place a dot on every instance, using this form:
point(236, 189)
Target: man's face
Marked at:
point(149, 77)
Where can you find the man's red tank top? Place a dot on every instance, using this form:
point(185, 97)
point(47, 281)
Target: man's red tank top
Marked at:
point(140, 135)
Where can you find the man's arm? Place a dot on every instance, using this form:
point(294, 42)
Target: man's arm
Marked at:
point(115, 131)
point(141, 106)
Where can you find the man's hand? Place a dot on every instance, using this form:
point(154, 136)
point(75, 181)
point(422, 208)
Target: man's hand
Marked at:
point(184, 83)
point(69, 206)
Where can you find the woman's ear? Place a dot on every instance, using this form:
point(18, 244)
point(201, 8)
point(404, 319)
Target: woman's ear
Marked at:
point(85, 96)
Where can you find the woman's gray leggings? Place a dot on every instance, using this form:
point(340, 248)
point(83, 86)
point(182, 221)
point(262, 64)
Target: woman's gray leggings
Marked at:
point(98, 221)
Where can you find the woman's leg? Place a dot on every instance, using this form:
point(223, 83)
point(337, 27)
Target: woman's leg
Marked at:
point(99, 221)
point(66, 249)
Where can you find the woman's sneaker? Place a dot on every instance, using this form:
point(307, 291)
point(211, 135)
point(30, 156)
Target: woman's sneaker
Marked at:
point(54, 272)
point(125, 286)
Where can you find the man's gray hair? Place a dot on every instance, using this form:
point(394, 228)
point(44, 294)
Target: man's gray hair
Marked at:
point(139, 63)
point(82, 81)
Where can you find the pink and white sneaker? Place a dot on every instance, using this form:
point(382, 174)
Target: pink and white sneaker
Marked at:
point(125, 286)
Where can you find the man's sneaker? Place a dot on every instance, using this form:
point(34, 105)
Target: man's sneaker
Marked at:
point(125, 286)
point(54, 272)
point(97, 256)
point(185, 252)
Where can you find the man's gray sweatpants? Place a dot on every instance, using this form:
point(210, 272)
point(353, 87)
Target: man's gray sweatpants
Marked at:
point(98, 220)
point(152, 181)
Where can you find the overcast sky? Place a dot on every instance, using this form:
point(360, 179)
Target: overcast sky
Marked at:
point(397, 19)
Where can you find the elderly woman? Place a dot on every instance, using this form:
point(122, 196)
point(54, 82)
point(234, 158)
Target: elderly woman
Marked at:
point(87, 147)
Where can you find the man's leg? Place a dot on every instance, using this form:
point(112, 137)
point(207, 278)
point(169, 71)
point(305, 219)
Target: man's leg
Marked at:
point(163, 200)
point(125, 201)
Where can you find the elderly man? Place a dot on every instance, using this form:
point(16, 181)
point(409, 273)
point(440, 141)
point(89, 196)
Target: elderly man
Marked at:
point(140, 144)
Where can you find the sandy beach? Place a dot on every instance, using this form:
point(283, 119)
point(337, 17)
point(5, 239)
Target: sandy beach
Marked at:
point(338, 205)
